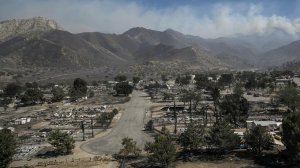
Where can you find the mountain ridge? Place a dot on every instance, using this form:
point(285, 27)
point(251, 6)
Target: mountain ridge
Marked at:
point(26, 27)
point(282, 55)
point(38, 41)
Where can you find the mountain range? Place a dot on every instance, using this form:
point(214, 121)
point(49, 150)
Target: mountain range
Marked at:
point(41, 43)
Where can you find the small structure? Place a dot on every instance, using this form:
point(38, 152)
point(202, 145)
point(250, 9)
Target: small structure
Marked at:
point(282, 82)
point(170, 83)
point(12, 129)
point(240, 131)
point(297, 81)
point(271, 126)
point(22, 121)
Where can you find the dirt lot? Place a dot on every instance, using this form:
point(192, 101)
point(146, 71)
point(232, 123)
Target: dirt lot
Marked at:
point(86, 164)
point(219, 164)
point(78, 159)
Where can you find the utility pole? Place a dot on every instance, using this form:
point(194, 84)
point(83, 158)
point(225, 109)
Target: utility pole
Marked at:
point(206, 109)
point(175, 117)
point(82, 127)
point(191, 120)
point(92, 128)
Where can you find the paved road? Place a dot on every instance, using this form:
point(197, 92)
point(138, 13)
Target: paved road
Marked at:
point(131, 124)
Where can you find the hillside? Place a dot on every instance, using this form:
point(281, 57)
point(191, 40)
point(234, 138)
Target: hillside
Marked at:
point(41, 43)
point(152, 37)
point(140, 45)
point(167, 54)
point(281, 55)
point(214, 47)
point(54, 49)
point(26, 27)
point(121, 45)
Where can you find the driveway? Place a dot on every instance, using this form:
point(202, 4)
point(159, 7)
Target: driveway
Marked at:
point(131, 124)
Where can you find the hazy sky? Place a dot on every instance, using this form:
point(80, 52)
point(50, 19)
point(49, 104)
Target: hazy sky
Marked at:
point(205, 18)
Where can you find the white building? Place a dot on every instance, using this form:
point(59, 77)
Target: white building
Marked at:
point(22, 121)
point(271, 126)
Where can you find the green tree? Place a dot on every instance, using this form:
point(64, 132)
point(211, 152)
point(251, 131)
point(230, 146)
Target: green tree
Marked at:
point(107, 117)
point(28, 85)
point(149, 126)
point(222, 137)
point(62, 141)
point(33, 85)
point(79, 88)
point(215, 94)
point(120, 78)
point(162, 151)
point(8, 146)
point(129, 148)
point(123, 88)
point(183, 80)
point(58, 94)
point(95, 83)
point(194, 137)
point(244, 76)
point(32, 96)
point(291, 133)
point(115, 111)
point(104, 119)
point(135, 80)
point(235, 109)
point(165, 131)
point(226, 79)
point(238, 90)
point(290, 97)
point(251, 82)
point(91, 93)
point(164, 78)
point(262, 83)
point(12, 90)
point(4, 103)
point(258, 139)
point(201, 81)
point(80, 85)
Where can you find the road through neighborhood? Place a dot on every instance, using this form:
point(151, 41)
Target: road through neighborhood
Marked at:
point(131, 124)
